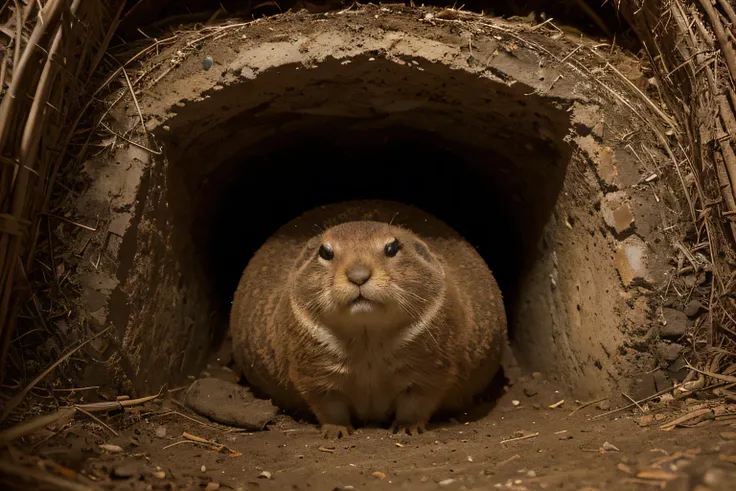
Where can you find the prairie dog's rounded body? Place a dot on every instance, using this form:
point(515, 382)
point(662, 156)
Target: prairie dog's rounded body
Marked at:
point(368, 320)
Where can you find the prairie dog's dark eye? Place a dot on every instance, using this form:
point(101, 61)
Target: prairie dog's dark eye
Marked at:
point(392, 248)
point(326, 253)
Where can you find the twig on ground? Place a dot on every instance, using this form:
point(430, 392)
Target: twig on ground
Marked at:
point(640, 401)
point(525, 437)
point(96, 419)
point(687, 417)
point(586, 404)
point(632, 400)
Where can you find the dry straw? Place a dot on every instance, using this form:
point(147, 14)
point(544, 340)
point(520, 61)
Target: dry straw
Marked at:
point(45, 74)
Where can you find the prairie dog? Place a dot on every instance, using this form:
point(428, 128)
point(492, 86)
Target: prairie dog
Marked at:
point(367, 320)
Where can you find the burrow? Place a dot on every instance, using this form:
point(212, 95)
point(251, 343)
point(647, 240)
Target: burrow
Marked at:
point(511, 147)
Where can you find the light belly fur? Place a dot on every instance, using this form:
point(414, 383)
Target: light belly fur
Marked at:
point(370, 382)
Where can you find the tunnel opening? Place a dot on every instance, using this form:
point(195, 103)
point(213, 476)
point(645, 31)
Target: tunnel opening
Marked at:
point(468, 188)
point(488, 158)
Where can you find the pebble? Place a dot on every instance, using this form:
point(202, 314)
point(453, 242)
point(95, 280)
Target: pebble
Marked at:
point(212, 486)
point(203, 468)
point(693, 308)
point(264, 475)
point(111, 448)
point(669, 351)
point(609, 447)
point(446, 482)
point(515, 402)
point(604, 405)
point(529, 392)
point(207, 62)
point(379, 475)
point(161, 432)
point(677, 324)
point(531, 474)
point(159, 474)
point(126, 470)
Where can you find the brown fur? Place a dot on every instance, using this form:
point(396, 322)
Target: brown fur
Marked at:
point(297, 336)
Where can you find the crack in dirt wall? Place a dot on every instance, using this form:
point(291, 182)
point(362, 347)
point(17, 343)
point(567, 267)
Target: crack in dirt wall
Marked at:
point(459, 118)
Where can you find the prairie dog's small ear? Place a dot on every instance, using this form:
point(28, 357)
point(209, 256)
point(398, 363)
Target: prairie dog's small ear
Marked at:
point(423, 250)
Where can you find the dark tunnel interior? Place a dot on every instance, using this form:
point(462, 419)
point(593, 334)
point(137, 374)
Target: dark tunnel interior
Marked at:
point(248, 198)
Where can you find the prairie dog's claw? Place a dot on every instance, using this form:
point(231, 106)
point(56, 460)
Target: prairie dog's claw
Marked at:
point(410, 429)
point(336, 431)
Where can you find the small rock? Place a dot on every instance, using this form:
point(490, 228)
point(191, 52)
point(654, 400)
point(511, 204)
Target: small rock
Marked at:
point(111, 448)
point(229, 404)
point(609, 447)
point(161, 432)
point(728, 435)
point(446, 482)
point(531, 474)
point(212, 486)
point(529, 392)
point(515, 402)
point(536, 375)
point(645, 420)
point(379, 475)
point(159, 474)
point(264, 475)
point(126, 470)
point(676, 325)
point(604, 405)
point(203, 468)
point(616, 211)
point(669, 352)
point(207, 63)
point(566, 437)
point(661, 381)
point(693, 309)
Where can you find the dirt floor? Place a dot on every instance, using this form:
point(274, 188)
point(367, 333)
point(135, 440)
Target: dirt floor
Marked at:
point(522, 443)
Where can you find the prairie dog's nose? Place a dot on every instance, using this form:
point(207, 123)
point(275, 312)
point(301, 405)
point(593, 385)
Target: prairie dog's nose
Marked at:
point(358, 273)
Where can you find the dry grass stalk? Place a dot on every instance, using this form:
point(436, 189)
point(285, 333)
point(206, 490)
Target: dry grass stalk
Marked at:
point(36, 105)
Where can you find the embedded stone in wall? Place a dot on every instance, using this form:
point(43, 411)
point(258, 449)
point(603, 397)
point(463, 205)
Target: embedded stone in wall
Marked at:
point(602, 157)
point(631, 260)
point(617, 211)
point(676, 324)
point(606, 165)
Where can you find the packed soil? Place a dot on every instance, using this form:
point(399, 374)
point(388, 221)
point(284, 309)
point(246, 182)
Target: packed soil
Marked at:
point(528, 439)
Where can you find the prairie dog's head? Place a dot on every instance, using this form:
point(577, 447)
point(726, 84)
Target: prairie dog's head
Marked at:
point(367, 275)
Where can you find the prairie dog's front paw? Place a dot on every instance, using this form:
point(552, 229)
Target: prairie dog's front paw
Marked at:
point(413, 429)
point(336, 431)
